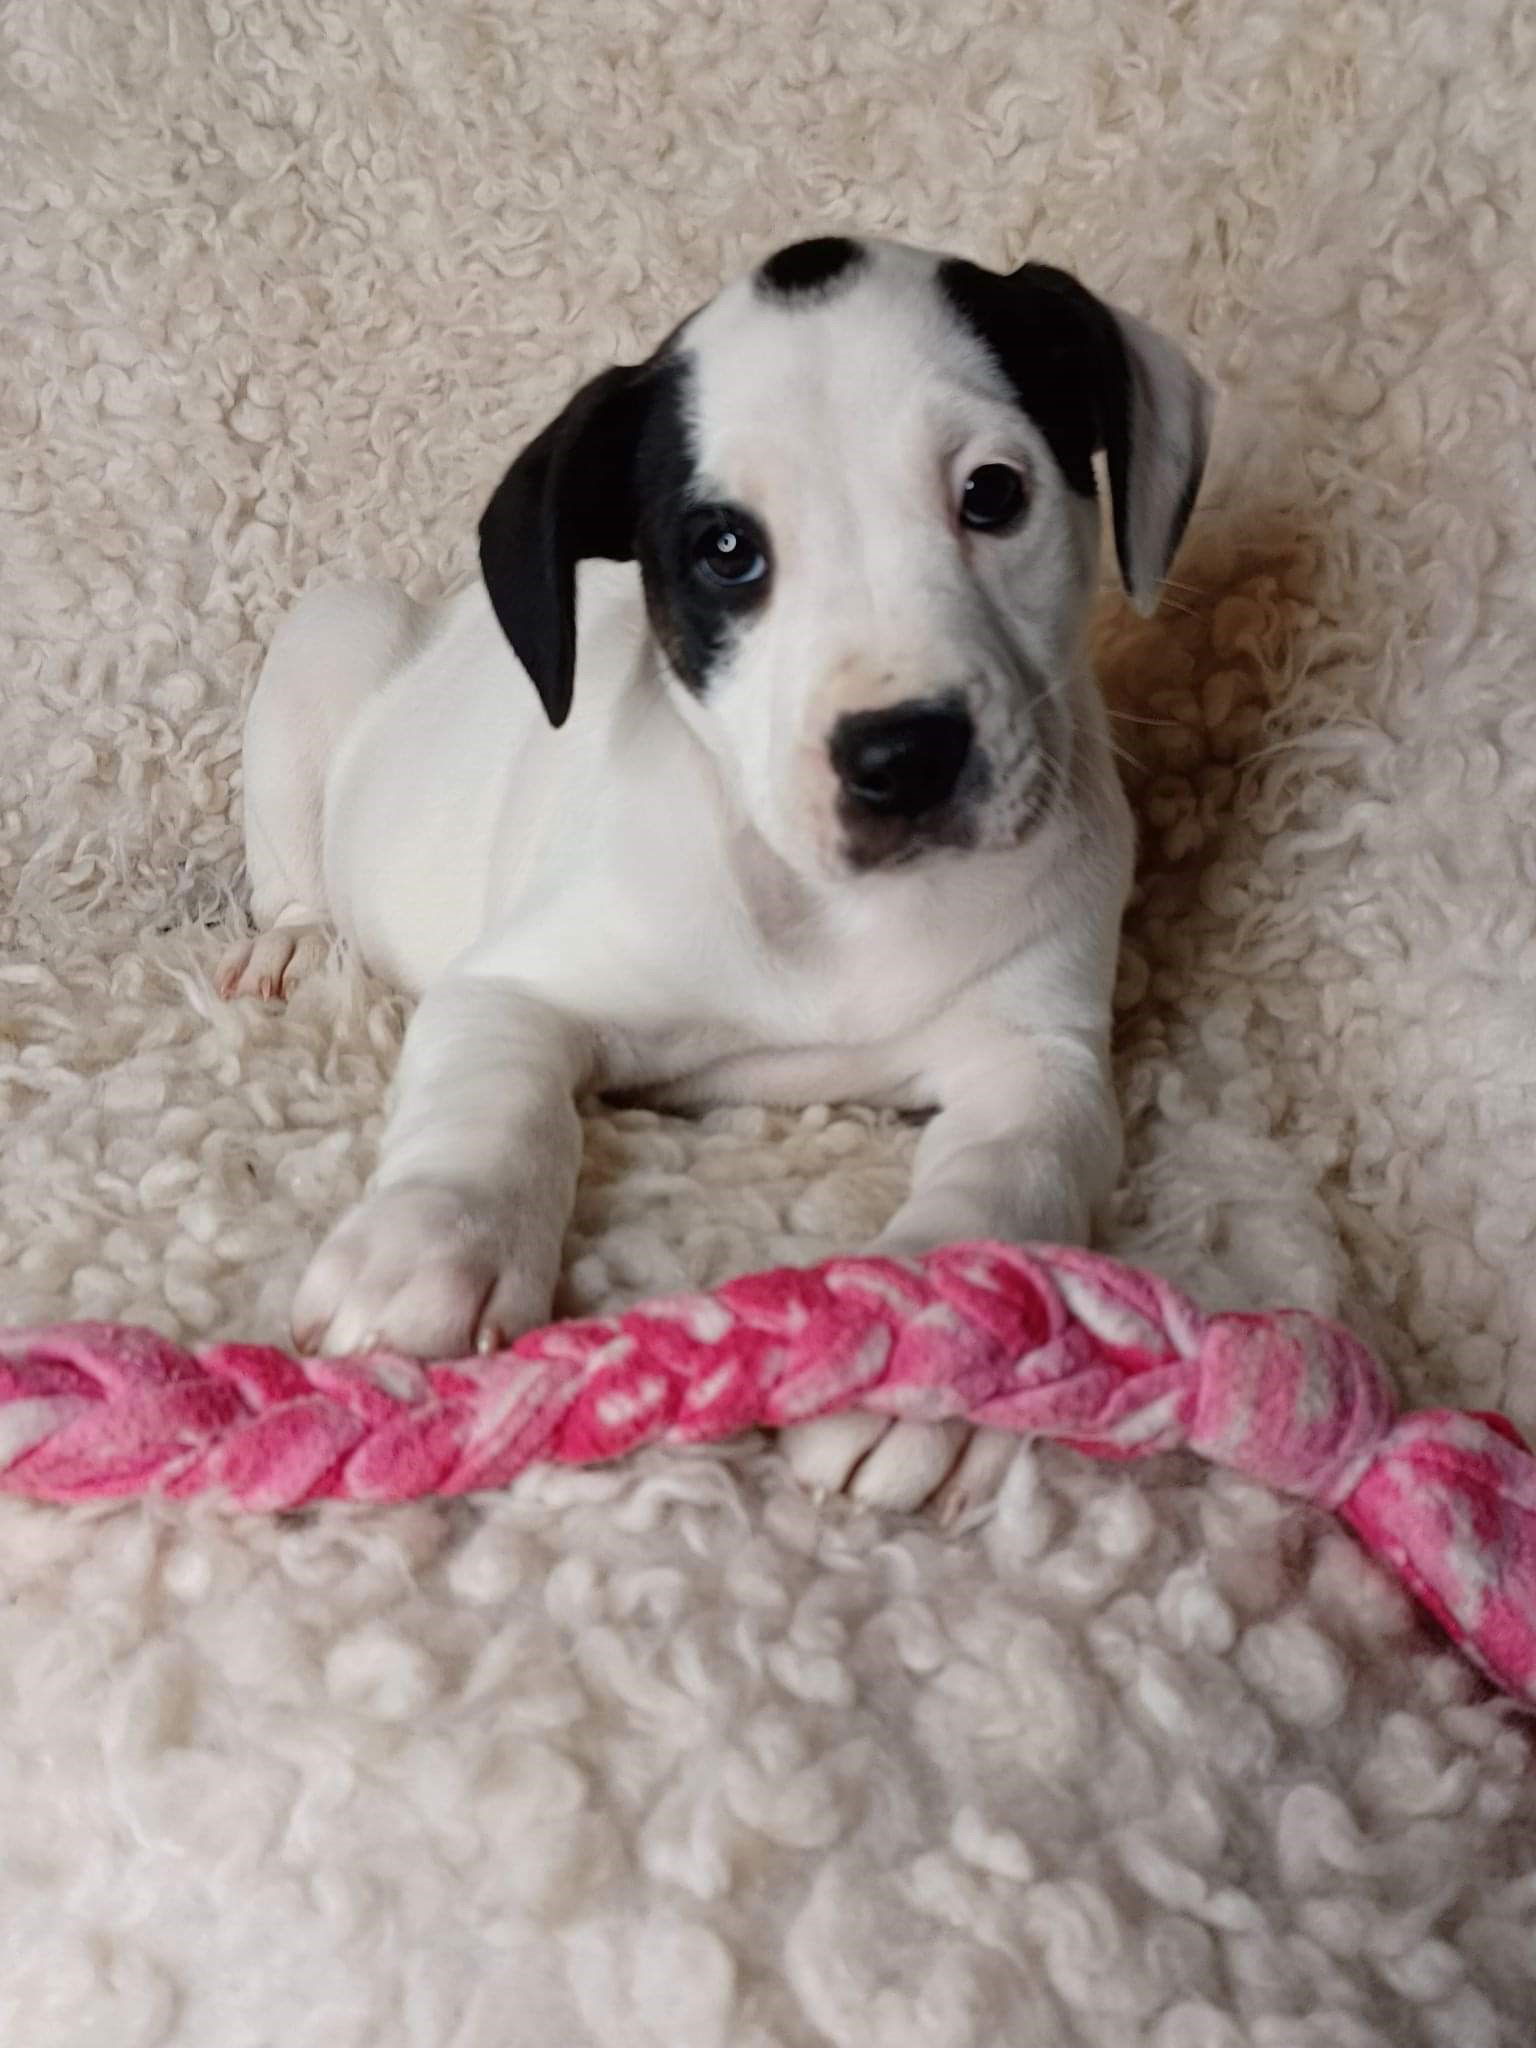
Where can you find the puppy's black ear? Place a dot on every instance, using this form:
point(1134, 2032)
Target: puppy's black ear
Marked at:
point(1095, 378)
point(1156, 427)
point(569, 495)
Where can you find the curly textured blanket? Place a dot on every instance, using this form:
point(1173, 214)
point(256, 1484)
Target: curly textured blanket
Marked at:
point(661, 1755)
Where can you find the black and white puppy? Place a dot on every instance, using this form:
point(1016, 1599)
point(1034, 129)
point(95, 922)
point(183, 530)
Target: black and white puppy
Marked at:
point(812, 797)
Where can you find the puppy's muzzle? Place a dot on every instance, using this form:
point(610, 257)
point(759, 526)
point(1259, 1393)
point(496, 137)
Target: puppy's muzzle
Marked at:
point(901, 765)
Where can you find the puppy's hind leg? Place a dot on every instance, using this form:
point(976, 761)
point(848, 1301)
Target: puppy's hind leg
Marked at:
point(334, 651)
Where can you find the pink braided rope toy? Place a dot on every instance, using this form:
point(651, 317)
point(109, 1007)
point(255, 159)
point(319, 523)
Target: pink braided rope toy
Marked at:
point(1044, 1342)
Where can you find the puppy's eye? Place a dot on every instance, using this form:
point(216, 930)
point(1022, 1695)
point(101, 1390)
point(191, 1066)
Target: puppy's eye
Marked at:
point(727, 551)
point(994, 497)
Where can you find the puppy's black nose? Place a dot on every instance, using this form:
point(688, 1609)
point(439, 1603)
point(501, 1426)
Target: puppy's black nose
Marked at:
point(904, 762)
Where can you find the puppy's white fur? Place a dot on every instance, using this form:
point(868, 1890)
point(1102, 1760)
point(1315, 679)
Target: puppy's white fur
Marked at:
point(658, 897)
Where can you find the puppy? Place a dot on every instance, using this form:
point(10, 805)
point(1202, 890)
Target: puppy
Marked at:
point(811, 797)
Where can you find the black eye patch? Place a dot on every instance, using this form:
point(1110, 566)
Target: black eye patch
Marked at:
point(706, 567)
point(706, 570)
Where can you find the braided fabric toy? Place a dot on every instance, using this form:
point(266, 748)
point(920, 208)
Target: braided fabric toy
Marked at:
point(1045, 1342)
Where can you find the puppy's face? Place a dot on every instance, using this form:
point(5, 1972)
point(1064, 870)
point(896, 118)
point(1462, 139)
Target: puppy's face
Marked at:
point(860, 487)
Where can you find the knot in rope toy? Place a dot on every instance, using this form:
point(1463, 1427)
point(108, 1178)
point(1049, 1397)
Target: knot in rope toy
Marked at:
point(1043, 1341)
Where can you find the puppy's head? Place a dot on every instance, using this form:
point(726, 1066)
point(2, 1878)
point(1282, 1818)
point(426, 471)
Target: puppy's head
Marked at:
point(860, 487)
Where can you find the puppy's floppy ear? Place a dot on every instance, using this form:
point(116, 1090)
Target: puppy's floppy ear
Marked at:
point(569, 495)
point(1157, 432)
point(1095, 378)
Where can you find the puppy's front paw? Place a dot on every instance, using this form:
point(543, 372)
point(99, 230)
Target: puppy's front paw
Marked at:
point(423, 1270)
point(267, 963)
point(948, 1468)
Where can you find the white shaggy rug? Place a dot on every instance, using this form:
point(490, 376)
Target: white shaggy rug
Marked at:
point(661, 1756)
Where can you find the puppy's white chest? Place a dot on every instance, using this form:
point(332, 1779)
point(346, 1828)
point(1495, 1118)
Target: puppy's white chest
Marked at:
point(785, 1001)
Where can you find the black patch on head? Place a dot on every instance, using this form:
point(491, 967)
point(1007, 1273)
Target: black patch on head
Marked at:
point(1061, 351)
point(810, 270)
point(616, 475)
point(694, 619)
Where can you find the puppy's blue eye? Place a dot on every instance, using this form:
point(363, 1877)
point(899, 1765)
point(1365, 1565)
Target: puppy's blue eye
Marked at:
point(994, 497)
point(729, 554)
